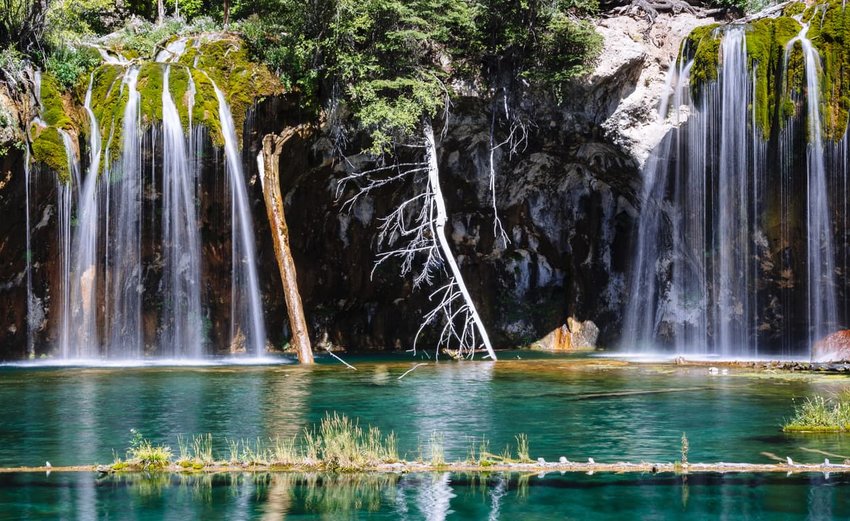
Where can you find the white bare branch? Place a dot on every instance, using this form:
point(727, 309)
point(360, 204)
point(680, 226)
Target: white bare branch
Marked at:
point(414, 234)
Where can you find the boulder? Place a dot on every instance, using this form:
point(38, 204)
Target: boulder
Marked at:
point(573, 335)
point(832, 348)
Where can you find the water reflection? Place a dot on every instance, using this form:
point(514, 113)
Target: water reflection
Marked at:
point(415, 497)
point(602, 410)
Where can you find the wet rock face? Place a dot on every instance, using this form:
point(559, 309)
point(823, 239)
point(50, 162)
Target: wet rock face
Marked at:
point(566, 204)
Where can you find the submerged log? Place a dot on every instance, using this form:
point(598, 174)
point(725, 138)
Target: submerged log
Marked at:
point(270, 174)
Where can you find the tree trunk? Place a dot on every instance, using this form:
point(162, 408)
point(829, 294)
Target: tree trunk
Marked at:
point(441, 218)
point(160, 12)
point(226, 12)
point(269, 165)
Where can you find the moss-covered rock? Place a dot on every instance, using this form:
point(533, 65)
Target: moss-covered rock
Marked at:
point(56, 106)
point(703, 44)
point(150, 92)
point(224, 58)
point(208, 58)
point(829, 32)
point(48, 148)
point(779, 90)
point(766, 41)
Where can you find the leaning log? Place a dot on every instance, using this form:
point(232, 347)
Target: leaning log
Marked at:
point(269, 165)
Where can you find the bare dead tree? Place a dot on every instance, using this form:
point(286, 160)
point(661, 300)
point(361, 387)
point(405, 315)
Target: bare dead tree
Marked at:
point(269, 164)
point(415, 234)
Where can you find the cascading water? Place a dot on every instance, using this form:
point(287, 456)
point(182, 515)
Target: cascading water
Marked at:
point(124, 248)
point(714, 234)
point(182, 284)
point(822, 310)
point(64, 193)
point(84, 267)
point(247, 316)
point(132, 207)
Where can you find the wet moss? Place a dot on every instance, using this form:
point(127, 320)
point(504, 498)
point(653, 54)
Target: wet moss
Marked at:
point(766, 40)
point(794, 9)
point(55, 111)
point(178, 85)
point(205, 110)
point(208, 58)
point(150, 90)
point(226, 61)
point(704, 43)
point(830, 35)
point(49, 148)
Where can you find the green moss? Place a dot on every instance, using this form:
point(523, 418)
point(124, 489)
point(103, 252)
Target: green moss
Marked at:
point(794, 9)
point(178, 85)
point(49, 148)
point(226, 61)
point(55, 110)
point(150, 90)
point(205, 111)
point(830, 34)
point(704, 45)
point(766, 40)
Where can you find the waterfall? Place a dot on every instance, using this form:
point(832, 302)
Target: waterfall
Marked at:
point(717, 268)
point(822, 309)
point(64, 193)
point(181, 238)
point(124, 246)
point(84, 272)
point(133, 277)
point(247, 310)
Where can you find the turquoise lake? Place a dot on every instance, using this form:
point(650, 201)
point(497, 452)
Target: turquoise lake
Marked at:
point(575, 407)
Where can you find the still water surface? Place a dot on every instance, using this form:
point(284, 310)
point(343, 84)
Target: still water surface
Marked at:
point(578, 408)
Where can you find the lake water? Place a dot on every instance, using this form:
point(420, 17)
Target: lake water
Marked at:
point(574, 407)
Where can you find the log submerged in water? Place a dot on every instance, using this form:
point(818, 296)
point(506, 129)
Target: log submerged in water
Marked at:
point(536, 468)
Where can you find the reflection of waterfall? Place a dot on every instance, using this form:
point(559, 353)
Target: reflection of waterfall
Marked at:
point(434, 496)
point(720, 264)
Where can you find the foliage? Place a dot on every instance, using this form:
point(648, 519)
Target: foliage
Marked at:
point(341, 443)
point(21, 24)
point(821, 414)
point(542, 42)
point(385, 59)
point(12, 65)
point(68, 64)
point(68, 20)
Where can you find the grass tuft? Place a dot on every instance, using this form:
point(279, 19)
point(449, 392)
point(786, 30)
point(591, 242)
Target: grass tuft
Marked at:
point(821, 414)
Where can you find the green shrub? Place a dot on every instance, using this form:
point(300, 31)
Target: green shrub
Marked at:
point(67, 64)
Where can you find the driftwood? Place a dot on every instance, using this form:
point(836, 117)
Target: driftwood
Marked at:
point(536, 468)
point(650, 9)
point(270, 172)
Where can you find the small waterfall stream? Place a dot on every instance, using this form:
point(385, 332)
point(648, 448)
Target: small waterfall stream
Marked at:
point(181, 240)
point(244, 315)
point(820, 253)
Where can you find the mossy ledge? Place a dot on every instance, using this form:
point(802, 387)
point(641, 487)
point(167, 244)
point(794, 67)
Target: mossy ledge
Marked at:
point(209, 57)
point(776, 89)
point(48, 148)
